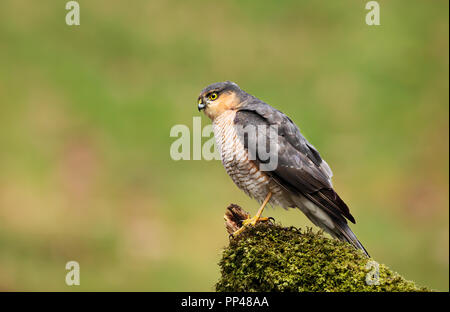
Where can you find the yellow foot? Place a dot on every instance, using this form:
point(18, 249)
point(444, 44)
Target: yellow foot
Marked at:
point(253, 221)
point(247, 222)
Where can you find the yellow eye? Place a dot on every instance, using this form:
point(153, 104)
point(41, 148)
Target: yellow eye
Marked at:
point(213, 96)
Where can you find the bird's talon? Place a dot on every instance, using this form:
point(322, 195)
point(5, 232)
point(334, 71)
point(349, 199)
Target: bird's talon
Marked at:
point(249, 221)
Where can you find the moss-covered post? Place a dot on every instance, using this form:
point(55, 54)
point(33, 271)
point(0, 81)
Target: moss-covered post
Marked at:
point(269, 257)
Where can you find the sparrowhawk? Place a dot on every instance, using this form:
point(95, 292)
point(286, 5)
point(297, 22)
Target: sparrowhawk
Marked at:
point(300, 179)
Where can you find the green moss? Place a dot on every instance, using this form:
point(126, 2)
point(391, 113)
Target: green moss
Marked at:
point(273, 258)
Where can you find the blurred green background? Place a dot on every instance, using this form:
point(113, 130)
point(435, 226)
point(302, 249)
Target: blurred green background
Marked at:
point(86, 112)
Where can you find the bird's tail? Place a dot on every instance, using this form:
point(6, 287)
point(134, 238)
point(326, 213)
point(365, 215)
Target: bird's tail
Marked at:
point(343, 232)
point(334, 225)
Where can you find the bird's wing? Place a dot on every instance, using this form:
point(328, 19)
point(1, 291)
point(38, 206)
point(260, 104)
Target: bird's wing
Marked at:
point(300, 168)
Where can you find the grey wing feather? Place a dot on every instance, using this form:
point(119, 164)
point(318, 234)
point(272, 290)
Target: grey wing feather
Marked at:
point(291, 133)
point(300, 167)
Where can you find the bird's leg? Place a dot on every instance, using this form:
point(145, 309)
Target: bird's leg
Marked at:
point(257, 218)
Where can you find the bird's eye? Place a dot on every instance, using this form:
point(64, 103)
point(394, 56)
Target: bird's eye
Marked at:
point(213, 96)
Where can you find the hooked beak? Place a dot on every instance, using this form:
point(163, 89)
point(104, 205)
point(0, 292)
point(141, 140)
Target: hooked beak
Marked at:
point(201, 106)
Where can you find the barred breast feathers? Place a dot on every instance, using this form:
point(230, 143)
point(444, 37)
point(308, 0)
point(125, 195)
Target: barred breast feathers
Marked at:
point(244, 173)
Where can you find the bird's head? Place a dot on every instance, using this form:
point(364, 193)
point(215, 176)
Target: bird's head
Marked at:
point(220, 97)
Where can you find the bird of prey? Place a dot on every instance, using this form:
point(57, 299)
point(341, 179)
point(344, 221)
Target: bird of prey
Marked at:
point(300, 179)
